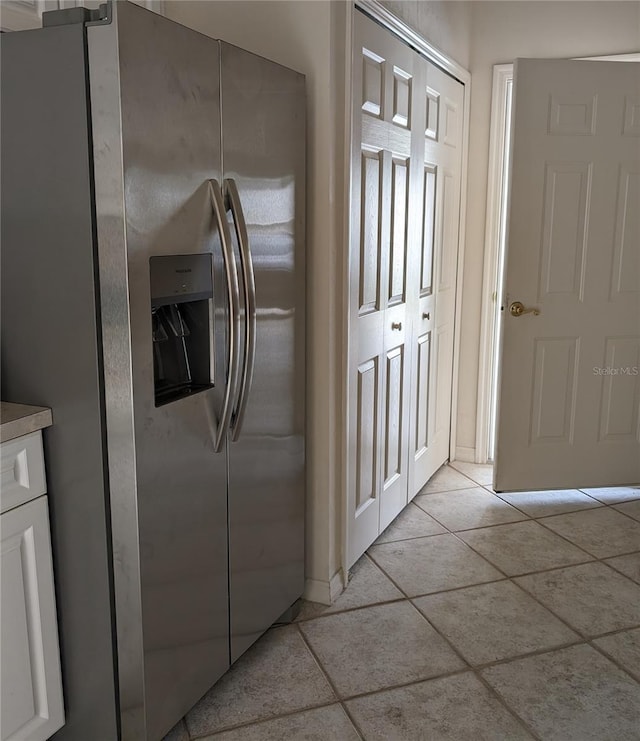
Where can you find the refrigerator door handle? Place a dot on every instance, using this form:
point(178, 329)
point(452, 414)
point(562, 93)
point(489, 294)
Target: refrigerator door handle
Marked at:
point(233, 295)
point(248, 276)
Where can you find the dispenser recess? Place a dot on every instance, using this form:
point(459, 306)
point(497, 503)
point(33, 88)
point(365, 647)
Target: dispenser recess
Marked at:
point(182, 325)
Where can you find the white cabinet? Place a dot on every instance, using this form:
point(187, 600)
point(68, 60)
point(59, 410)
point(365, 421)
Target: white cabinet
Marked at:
point(21, 470)
point(31, 687)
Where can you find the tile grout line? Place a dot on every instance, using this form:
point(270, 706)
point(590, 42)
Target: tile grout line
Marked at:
point(592, 556)
point(466, 669)
point(592, 559)
point(403, 685)
point(499, 698)
point(635, 553)
point(334, 689)
point(598, 502)
point(525, 516)
point(444, 637)
point(406, 600)
point(583, 639)
point(277, 716)
point(442, 468)
point(475, 673)
point(582, 548)
point(260, 721)
point(494, 692)
point(451, 532)
point(612, 659)
point(488, 560)
point(529, 518)
point(440, 677)
point(358, 607)
point(322, 616)
point(423, 493)
point(352, 720)
point(622, 512)
point(412, 537)
point(579, 641)
point(406, 594)
point(586, 638)
point(596, 505)
point(527, 491)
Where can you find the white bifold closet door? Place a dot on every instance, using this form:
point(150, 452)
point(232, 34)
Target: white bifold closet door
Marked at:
point(406, 160)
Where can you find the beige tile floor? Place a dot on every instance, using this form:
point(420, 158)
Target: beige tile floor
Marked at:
point(473, 616)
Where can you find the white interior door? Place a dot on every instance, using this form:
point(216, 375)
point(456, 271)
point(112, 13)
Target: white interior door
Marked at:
point(570, 376)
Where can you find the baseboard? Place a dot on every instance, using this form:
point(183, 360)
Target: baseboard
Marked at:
point(468, 455)
point(324, 592)
point(336, 586)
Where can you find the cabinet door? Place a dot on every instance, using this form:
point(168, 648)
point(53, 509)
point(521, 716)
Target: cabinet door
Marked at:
point(31, 685)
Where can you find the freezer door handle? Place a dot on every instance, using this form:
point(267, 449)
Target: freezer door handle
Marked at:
point(248, 277)
point(233, 295)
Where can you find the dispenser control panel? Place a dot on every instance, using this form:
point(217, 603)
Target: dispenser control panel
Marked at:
point(180, 278)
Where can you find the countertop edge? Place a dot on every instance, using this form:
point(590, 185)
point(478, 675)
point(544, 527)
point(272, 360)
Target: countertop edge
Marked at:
point(17, 420)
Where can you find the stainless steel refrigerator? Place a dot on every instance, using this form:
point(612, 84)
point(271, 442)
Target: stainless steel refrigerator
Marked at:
point(153, 296)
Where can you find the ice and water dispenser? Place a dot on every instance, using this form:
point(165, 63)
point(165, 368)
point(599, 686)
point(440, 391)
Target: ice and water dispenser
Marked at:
point(182, 325)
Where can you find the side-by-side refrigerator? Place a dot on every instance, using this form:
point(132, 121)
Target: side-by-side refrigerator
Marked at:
point(153, 296)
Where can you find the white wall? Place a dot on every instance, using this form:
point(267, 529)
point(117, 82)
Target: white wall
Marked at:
point(444, 23)
point(501, 32)
point(299, 35)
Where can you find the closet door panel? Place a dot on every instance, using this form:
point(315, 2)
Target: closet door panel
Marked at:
point(405, 199)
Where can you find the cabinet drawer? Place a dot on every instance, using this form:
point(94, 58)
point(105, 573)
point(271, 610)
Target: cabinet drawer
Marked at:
point(21, 470)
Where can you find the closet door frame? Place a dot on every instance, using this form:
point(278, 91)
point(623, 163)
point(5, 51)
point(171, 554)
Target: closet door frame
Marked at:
point(375, 11)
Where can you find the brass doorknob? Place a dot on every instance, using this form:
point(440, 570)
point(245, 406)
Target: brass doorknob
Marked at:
point(517, 308)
